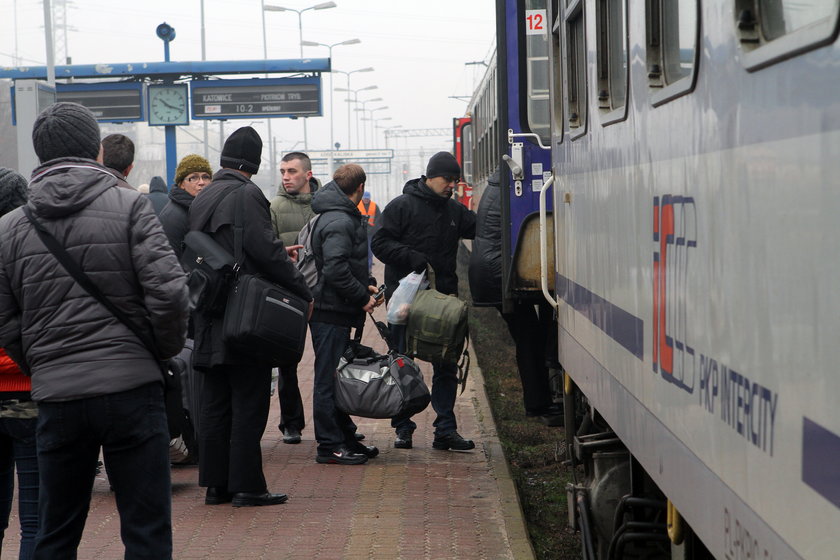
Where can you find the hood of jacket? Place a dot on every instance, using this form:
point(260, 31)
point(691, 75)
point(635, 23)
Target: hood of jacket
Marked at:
point(219, 187)
point(181, 197)
point(314, 185)
point(331, 198)
point(419, 188)
point(304, 199)
point(157, 185)
point(66, 185)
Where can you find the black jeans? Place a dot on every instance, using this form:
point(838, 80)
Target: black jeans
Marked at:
point(333, 427)
point(234, 411)
point(291, 403)
point(130, 427)
point(530, 332)
point(444, 391)
point(17, 449)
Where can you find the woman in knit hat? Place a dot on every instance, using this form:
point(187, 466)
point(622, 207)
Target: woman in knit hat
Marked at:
point(192, 174)
point(18, 414)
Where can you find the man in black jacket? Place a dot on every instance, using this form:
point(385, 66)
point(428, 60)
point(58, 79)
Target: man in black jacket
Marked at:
point(421, 228)
point(118, 157)
point(96, 383)
point(235, 395)
point(343, 295)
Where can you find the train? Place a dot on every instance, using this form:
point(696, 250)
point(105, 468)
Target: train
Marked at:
point(669, 175)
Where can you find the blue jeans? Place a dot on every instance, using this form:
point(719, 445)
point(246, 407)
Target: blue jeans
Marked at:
point(333, 428)
point(130, 427)
point(444, 391)
point(17, 448)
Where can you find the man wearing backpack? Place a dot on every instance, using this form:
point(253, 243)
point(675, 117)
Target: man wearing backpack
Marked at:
point(343, 295)
point(291, 209)
point(421, 228)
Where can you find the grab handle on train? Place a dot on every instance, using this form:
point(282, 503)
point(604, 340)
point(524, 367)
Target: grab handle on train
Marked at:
point(544, 243)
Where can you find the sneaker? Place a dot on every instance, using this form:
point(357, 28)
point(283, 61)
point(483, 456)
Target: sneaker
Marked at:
point(453, 441)
point(368, 451)
point(342, 456)
point(291, 435)
point(403, 440)
point(178, 452)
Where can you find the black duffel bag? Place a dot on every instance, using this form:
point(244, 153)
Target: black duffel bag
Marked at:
point(210, 270)
point(262, 318)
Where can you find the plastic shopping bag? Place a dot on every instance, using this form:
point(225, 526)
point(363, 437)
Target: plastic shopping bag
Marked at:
point(400, 305)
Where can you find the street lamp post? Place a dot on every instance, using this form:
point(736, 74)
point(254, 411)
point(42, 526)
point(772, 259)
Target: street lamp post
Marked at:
point(376, 128)
point(330, 47)
point(370, 112)
point(355, 99)
point(349, 112)
point(321, 6)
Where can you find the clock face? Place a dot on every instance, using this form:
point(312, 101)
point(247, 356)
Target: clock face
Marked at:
point(168, 105)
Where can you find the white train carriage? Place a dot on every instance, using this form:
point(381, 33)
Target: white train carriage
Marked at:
point(696, 161)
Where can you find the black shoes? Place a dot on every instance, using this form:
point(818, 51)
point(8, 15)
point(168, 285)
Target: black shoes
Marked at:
point(403, 440)
point(247, 499)
point(217, 495)
point(368, 451)
point(453, 441)
point(359, 436)
point(291, 435)
point(343, 456)
point(551, 415)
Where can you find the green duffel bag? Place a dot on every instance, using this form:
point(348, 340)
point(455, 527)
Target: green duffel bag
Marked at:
point(438, 330)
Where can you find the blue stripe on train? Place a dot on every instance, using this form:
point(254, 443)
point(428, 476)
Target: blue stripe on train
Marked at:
point(820, 460)
point(623, 327)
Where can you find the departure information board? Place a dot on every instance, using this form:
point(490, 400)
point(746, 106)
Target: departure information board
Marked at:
point(109, 102)
point(256, 98)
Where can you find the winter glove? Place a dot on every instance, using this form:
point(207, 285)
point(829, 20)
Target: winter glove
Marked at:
point(418, 262)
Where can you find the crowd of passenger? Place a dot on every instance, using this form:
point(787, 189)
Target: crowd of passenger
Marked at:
point(94, 298)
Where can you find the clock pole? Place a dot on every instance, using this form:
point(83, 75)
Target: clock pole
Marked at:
point(166, 34)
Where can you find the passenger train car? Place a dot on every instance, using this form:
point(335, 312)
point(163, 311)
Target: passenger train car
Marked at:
point(691, 249)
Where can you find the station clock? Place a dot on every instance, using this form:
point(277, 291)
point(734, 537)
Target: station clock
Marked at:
point(168, 105)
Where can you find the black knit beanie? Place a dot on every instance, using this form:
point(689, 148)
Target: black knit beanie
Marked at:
point(65, 130)
point(443, 164)
point(243, 150)
point(13, 190)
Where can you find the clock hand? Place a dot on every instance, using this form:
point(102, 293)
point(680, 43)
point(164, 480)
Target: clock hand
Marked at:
point(170, 106)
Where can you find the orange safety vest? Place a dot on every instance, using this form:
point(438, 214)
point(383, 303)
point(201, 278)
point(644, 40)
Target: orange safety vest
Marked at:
point(370, 212)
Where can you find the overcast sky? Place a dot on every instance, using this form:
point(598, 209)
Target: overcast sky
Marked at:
point(417, 48)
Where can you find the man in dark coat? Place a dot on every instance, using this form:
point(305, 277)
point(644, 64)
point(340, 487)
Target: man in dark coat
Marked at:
point(118, 157)
point(343, 295)
point(97, 385)
point(422, 228)
point(531, 330)
point(158, 193)
point(235, 396)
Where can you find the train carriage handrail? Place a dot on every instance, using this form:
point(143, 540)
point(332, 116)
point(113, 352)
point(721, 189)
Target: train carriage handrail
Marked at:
point(544, 244)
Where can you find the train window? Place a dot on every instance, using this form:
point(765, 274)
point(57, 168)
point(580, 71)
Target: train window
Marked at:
point(673, 33)
point(576, 71)
point(774, 30)
point(467, 152)
point(536, 51)
point(611, 16)
point(556, 104)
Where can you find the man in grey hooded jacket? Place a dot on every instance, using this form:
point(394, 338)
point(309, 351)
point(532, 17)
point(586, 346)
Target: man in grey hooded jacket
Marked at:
point(96, 384)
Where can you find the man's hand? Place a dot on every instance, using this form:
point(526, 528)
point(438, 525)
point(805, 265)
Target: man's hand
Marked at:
point(377, 301)
point(368, 308)
point(292, 251)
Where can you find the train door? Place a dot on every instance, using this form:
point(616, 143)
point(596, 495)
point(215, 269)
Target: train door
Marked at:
point(523, 92)
point(462, 141)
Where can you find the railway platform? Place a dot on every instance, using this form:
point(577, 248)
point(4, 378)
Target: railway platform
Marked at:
point(405, 504)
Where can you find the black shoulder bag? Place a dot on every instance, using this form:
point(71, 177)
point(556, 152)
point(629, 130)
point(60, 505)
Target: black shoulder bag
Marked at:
point(72, 268)
point(261, 318)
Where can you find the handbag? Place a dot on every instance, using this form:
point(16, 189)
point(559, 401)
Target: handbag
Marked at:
point(262, 318)
point(210, 270)
point(74, 270)
point(373, 385)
